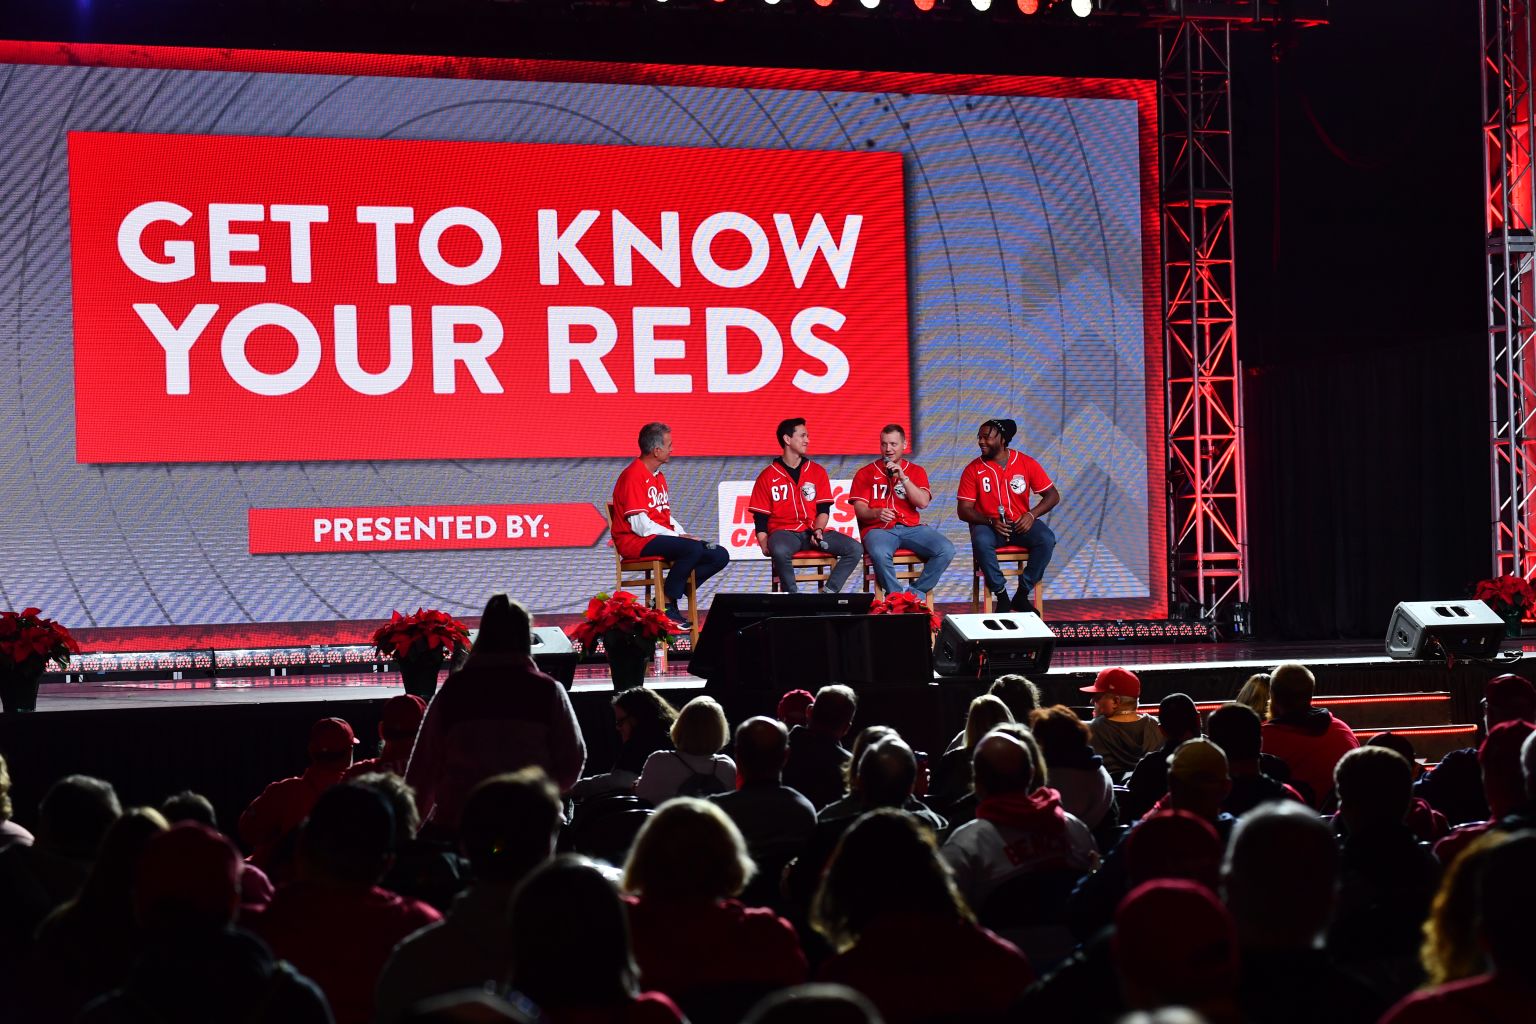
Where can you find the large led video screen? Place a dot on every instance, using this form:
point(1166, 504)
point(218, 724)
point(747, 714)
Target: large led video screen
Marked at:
point(299, 338)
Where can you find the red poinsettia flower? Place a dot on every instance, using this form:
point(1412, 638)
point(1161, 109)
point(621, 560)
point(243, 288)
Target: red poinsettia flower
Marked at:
point(422, 632)
point(622, 612)
point(1506, 593)
point(905, 603)
point(26, 636)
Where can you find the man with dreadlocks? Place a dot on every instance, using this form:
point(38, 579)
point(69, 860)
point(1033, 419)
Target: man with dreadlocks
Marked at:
point(994, 497)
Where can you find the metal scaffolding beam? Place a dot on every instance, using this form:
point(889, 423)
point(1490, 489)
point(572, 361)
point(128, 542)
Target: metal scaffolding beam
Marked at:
point(1207, 516)
point(1505, 27)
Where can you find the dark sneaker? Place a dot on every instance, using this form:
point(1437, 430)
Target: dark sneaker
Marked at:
point(678, 618)
point(1022, 601)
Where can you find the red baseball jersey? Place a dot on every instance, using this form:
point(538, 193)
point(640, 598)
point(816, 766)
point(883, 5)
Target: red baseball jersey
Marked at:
point(790, 504)
point(638, 490)
point(873, 486)
point(1003, 490)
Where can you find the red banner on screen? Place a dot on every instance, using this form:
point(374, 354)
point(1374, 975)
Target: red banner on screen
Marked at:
point(243, 299)
point(304, 531)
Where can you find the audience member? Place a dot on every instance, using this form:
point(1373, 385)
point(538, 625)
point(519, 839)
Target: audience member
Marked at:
point(497, 714)
point(1422, 819)
point(643, 720)
point(1503, 785)
point(1279, 879)
point(194, 967)
point(334, 923)
point(1177, 721)
point(1237, 730)
point(1310, 740)
point(508, 828)
point(1076, 773)
point(1451, 949)
point(269, 823)
point(690, 935)
point(10, 832)
point(1175, 944)
point(421, 868)
point(73, 817)
point(695, 767)
point(952, 774)
point(255, 887)
point(571, 950)
point(818, 1003)
point(816, 755)
point(1506, 906)
point(904, 936)
point(1387, 875)
point(1524, 816)
point(852, 803)
point(82, 948)
point(795, 708)
point(775, 821)
point(1173, 844)
point(398, 725)
point(1120, 734)
point(1254, 694)
point(1454, 787)
point(1016, 692)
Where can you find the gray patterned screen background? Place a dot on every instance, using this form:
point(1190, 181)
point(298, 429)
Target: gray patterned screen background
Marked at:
point(1024, 233)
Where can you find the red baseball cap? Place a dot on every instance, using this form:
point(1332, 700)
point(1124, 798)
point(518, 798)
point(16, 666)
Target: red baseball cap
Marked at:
point(331, 736)
point(795, 702)
point(1119, 681)
point(1174, 938)
point(188, 869)
point(402, 714)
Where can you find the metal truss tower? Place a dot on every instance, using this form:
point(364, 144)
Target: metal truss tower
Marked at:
point(1207, 516)
point(1511, 247)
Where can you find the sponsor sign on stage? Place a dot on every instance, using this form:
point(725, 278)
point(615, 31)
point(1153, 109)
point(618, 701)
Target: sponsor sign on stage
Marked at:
point(384, 299)
point(737, 529)
point(275, 531)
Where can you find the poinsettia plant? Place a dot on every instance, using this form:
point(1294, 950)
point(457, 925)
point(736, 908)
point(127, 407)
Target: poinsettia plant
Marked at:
point(904, 602)
point(622, 614)
point(422, 632)
point(26, 636)
point(1506, 594)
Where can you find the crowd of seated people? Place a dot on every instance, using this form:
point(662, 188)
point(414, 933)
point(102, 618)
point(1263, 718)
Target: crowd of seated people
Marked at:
point(693, 879)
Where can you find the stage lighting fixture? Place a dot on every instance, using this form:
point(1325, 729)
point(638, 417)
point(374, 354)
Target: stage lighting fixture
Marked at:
point(1082, 8)
point(1028, 6)
point(924, 5)
point(869, 5)
point(982, 5)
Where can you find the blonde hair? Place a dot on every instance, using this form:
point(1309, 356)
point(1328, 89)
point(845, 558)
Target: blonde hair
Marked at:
point(986, 713)
point(700, 728)
point(1451, 950)
point(1255, 694)
point(867, 737)
point(688, 850)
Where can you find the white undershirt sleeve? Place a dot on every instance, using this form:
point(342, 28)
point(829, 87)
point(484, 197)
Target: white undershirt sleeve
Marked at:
point(645, 526)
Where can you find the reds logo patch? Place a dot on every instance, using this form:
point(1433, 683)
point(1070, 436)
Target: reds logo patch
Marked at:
point(808, 491)
point(1017, 485)
point(900, 490)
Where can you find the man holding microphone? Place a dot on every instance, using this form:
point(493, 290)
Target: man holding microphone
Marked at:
point(887, 496)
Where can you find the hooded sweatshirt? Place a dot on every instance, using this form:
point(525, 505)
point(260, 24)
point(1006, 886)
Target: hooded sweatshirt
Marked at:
point(1311, 742)
point(1015, 833)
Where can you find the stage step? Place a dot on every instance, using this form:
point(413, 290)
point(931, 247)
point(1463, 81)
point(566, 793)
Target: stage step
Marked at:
point(1374, 711)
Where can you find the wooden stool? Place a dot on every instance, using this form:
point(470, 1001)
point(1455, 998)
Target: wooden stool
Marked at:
point(809, 566)
point(1011, 559)
point(648, 574)
point(909, 566)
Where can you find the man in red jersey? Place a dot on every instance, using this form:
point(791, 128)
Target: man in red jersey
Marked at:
point(790, 504)
point(643, 524)
point(887, 495)
point(994, 498)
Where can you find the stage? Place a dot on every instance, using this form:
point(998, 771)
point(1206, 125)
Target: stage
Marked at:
point(229, 735)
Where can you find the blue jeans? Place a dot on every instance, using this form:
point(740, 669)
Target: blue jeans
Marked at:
point(687, 556)
point(920, 540)
point(1038, 538)
point(783, 545)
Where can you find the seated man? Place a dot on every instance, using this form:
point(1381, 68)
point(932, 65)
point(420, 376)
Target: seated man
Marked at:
point(887, 496)
point(994, 498)
point(790, 505)
point(1120, 734)
point(643, 524)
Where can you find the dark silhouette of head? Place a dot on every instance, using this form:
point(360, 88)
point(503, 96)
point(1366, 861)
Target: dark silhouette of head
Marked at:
point(1021, 695)
point(349, 837)
point(1374, 786)
point(1280, 877)
point(688, 851)
point(506, 628)
point(570, 937)
point(762, 746)
point(833, 711)
point(1291, 687)
point(815, 1004)
point(1237, 730)
point(75, 814)
point(887, 772)
point(1178, 718)
point(509, 825)
point(1002, 764)
point(189, 806)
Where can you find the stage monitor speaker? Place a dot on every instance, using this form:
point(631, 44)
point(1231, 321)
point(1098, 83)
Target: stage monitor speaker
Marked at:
point(1436, 629)
point(554, 654)
point(988, 646)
